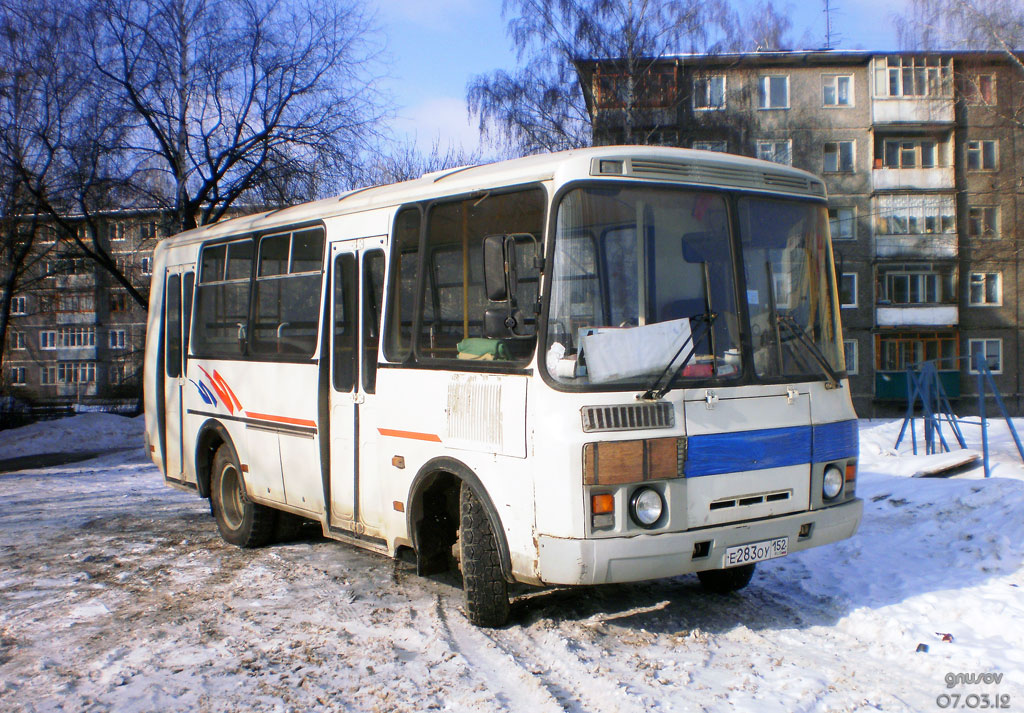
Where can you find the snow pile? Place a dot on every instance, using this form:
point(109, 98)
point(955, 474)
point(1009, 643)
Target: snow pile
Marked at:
point(116, 593)
point(88, 432)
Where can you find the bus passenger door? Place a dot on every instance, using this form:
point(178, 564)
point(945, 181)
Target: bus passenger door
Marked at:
point(357, 288)
point(177, 312)
point(344, 337)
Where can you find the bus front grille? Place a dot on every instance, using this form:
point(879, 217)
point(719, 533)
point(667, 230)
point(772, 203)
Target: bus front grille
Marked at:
point(628, 417)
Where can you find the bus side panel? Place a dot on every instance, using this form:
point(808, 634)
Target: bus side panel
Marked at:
point(417, 422)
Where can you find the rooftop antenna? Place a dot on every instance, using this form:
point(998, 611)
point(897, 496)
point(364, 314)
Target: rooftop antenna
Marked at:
point(831, 40)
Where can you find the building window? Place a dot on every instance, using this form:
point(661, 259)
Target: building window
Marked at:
point(709, 92)
point(48, 375)
point(18, 375)
point(913, 288)
point(147, 265)
point(915, 76)
point(837, 90)
point(48, 340)
point(74, 303)
point(909, 153)
point(898, 350)
point(842, 223)
point(18, 340)
point(117, 231)
point(118, 301)
point(982, 155)
point(909, 214)
point(19, 305)
point(776, 151)
point(76, 337)
point(848, 289)
point(983, 221)
point(991, 350)
point(838, 157)
point(71, 265)
point(850, 353)
point(986, 288)
point(76, 372)
point(980, 89)
point(147, 231)
point(722, 145)
point(773, 92)
point(117, 339)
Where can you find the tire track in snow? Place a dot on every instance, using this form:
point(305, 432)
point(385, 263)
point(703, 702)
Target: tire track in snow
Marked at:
point(560, 670)
point(518, 690)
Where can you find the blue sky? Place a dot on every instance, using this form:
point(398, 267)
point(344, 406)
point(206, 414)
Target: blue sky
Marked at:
point(434, 47)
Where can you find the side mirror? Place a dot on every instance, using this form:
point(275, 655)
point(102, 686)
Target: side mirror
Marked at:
point(500, 276)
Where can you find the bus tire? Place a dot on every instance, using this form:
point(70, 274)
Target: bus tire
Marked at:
point(240, 521)
point(723, 581)
point(485, 587)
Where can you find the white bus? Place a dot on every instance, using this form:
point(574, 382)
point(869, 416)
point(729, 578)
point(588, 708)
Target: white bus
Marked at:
point(605, 365)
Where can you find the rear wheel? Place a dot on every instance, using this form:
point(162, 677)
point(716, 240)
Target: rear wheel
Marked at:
point(723, 581)
point(482, 580)
point(240, 521)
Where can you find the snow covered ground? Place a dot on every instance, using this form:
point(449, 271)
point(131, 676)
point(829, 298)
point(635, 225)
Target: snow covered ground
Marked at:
point(117, 594)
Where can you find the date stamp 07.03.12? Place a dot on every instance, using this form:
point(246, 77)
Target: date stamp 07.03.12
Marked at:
point(965, 697)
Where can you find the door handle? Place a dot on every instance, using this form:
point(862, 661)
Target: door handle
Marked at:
point(710, 399)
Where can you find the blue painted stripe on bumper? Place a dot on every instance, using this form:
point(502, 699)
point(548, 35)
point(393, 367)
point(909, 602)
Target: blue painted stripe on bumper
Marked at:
point(740, 451)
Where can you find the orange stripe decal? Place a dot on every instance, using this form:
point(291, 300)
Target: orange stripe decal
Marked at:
point(432, 437)
point(281, 419)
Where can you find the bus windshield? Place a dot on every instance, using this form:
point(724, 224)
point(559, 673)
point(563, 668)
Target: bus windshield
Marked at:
point(644, 280)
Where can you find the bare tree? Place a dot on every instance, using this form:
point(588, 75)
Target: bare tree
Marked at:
point(238, 100)
point(404, 161)
point(542, 106)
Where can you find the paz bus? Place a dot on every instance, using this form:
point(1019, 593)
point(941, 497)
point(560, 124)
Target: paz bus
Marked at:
point(603, 365)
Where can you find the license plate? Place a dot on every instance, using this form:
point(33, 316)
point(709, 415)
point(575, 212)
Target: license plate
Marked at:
point(756, 551)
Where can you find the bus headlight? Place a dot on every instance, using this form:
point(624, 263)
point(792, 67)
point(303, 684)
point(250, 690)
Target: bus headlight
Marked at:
point(832, 484)
point(646, 507)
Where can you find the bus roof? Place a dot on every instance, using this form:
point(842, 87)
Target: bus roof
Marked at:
point(689, 166)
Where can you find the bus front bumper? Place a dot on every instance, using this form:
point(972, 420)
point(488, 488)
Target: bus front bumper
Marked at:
point(634, 559)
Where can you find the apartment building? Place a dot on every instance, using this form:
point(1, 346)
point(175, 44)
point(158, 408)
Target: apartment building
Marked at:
point(76, 336)
point(923, 157)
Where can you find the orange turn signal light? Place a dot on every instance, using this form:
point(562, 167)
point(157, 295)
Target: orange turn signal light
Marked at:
point(851, 471)
point(602, 504)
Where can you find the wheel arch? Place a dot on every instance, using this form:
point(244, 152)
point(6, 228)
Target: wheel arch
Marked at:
point(445, 472)
point(212, 434)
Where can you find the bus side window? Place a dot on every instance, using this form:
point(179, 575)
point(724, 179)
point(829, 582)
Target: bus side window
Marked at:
point(222, 299)
point(454, 238)
point(345, 288)
point(172, 326)
point(288, 293)
point(373, 295)
point(186, 295)
point(402, 285)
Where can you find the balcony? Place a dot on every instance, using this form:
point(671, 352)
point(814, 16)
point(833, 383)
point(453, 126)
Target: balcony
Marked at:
point(883, 179)
point(892, 385)
point(917, 315)
point(918, 247)
point(915, 111)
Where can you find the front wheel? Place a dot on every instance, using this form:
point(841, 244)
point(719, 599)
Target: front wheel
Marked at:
point(240, 521)
point(482, 580)
point(723, 581)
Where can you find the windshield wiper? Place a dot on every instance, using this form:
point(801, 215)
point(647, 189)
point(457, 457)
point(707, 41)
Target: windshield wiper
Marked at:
point(800, 334)
point(655, 391)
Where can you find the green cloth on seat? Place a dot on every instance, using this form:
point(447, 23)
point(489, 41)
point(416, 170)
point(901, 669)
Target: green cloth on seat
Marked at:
point(483, 348)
